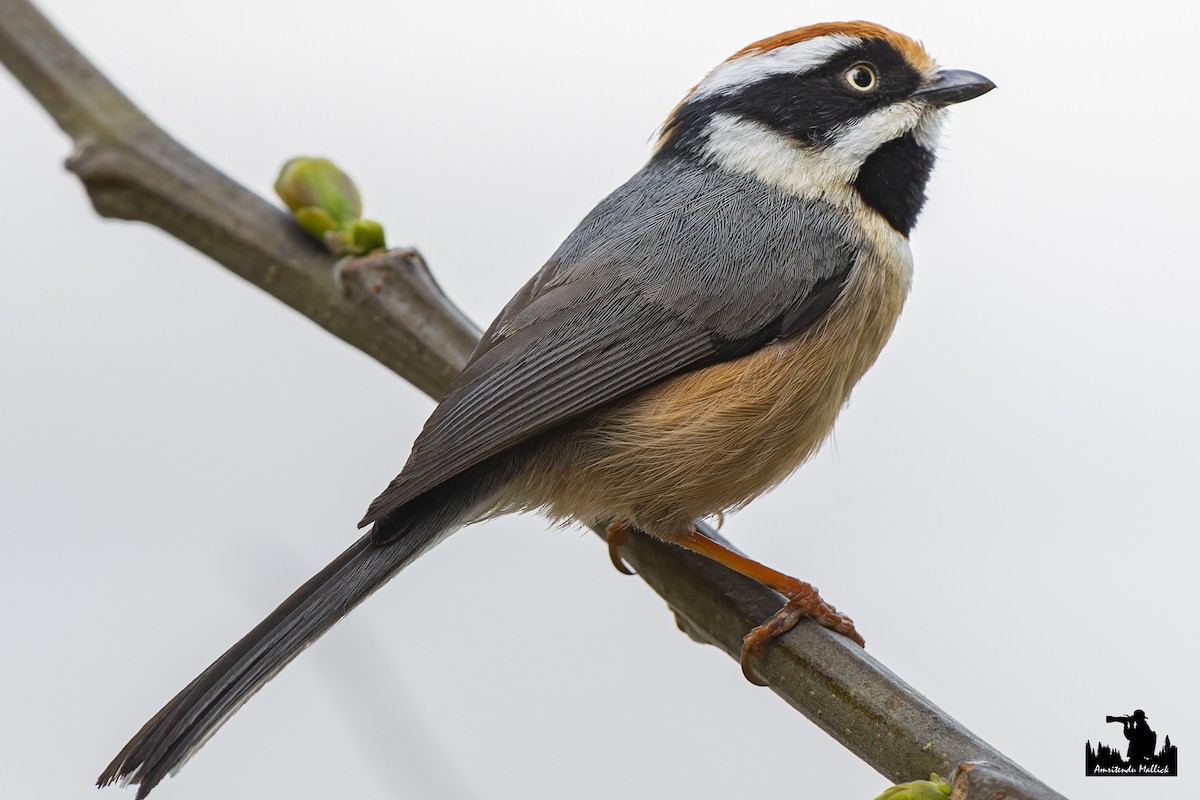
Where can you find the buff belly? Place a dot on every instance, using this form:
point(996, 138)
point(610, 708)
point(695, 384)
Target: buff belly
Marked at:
point(712, 440)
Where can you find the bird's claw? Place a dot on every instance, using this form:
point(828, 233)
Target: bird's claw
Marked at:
point(617, 535)
point(804, 602)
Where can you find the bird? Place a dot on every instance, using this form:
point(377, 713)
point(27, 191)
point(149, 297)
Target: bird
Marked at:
point(686, 348)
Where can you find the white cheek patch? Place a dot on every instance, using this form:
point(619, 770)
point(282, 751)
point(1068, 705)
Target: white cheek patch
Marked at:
point(747, 147)
point(928, 132)
point(793, 59)
point(854, 142)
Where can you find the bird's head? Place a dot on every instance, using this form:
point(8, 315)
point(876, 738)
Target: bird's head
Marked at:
point(842, 110)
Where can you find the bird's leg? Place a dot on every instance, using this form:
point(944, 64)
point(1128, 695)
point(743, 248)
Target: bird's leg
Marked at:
point(802, 599)
point(617, 534)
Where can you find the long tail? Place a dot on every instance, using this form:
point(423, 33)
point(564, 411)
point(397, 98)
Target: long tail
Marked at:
point(184, 724)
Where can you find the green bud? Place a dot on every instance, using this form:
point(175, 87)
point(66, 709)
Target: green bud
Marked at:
point(326, 203)
point(318, 183)
point(935, 788)
point(366, 235)
point(315, 220)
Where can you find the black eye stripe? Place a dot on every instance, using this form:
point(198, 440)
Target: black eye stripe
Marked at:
point(806, 106)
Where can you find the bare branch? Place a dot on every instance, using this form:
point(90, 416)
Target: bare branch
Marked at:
point(390, 307)
point(133, 170)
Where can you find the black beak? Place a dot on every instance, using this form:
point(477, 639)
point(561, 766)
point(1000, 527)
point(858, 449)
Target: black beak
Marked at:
point(953, 86)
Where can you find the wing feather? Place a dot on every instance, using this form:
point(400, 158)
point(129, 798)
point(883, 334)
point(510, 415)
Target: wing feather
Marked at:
point(681, 268)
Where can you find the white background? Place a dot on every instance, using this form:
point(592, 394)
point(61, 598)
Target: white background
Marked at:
point(1007, 510)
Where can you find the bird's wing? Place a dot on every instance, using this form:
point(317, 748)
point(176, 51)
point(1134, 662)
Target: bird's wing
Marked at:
point(670, 274)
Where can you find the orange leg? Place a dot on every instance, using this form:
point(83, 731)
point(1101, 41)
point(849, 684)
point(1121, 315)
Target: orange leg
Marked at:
point(803, 599)
point(617, 534)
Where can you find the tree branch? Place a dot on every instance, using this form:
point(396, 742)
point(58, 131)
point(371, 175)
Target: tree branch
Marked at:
point(133, 170)
point(390, 307)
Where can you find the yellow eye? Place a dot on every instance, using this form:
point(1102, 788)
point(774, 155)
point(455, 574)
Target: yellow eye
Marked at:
point(861, 77)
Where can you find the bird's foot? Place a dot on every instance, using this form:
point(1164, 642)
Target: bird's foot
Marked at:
point(617, 535)
point(803, 600)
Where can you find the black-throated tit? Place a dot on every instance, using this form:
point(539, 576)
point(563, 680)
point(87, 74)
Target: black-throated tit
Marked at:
point(686, 348)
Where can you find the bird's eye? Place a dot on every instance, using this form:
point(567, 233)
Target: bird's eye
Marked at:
point(861, 77)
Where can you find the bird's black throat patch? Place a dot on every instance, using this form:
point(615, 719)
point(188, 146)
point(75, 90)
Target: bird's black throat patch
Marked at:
point(892, 181)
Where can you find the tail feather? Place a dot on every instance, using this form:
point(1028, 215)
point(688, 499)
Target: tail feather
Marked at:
point(184, 724)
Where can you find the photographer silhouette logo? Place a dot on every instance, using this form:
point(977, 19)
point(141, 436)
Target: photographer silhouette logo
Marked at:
point(1141, 756)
